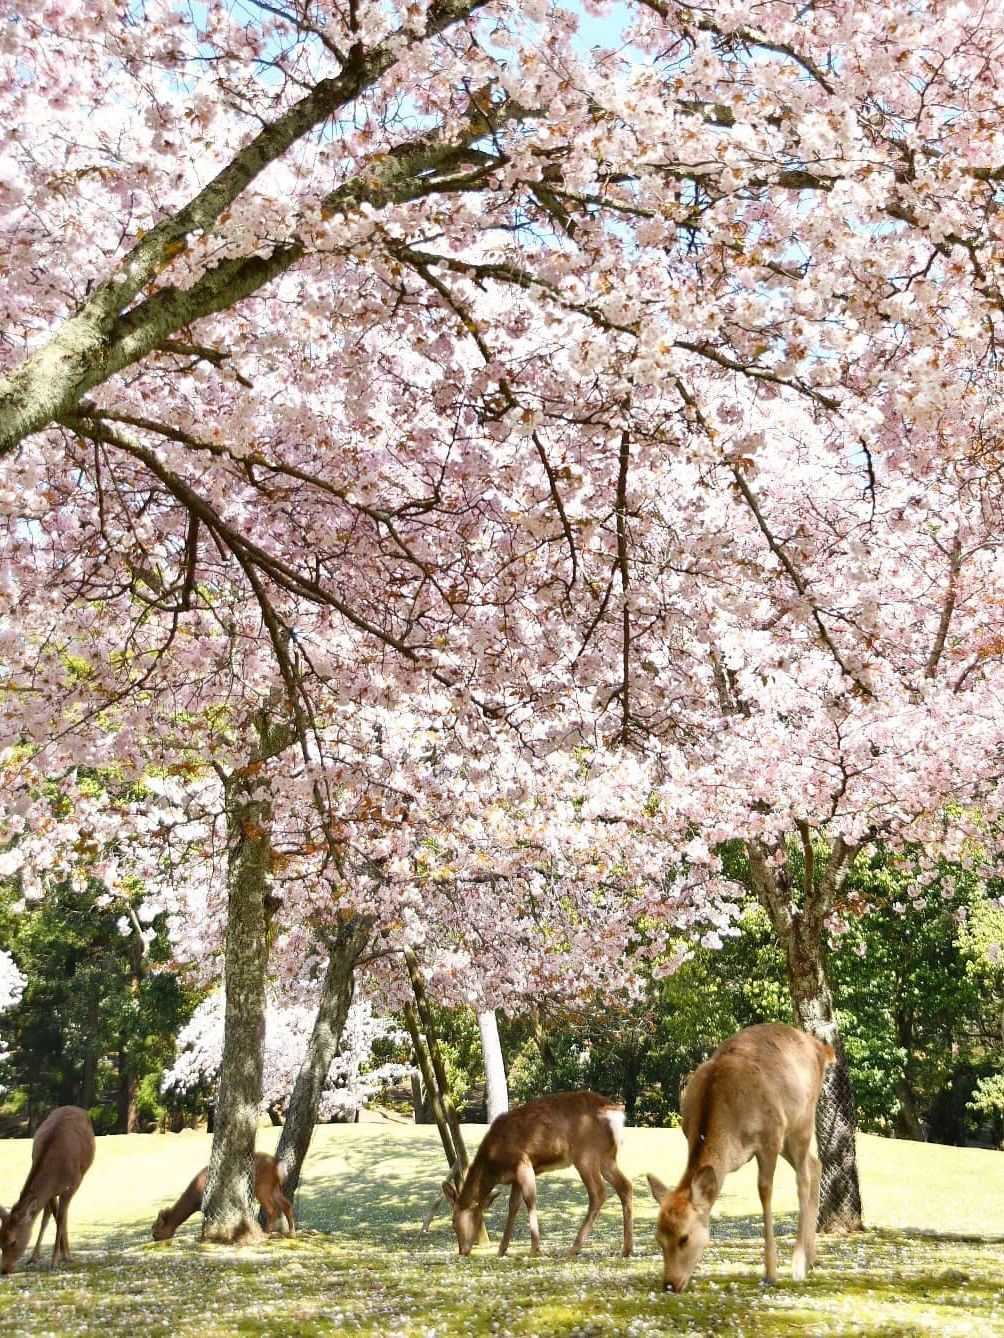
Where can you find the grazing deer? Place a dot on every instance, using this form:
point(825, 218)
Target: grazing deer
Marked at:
point(755, 1097)
point(61, 1152)
point(579, 1129)
point(267, 1188)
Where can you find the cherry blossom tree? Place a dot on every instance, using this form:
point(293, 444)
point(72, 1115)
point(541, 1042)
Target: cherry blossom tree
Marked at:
point(583, 400)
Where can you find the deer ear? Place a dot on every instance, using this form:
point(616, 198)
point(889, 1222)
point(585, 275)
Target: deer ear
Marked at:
point(704, 1188)
point(4, 1214)
point(449, 1191)
point(659, 1190)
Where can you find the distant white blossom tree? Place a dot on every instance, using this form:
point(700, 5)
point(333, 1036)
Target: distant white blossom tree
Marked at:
point(352, 1080)
point(12, 984)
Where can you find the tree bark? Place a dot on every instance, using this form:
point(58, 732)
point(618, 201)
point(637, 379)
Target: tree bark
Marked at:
point(128, 1113)
point(497, 1089)
point(229, 1207)
point(908, 1123)
point(440, 1083)
point(433, 1096)
point(345, 948)
point(88, 1082)
point(836, 1119)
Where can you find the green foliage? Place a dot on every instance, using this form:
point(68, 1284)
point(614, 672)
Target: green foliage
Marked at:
point(97, 1020)
point(988, 1097)
point(919, 1009)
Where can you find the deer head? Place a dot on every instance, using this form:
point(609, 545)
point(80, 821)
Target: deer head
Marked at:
point(161, 1229)
point(466, 1221)
point(15, 1231)
point(682, 1231)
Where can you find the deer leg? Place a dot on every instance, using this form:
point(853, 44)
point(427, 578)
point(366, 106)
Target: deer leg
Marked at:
point(766, 1162)
point(515, 1200)
point(810, 1230)
point(48, 1211)
point(593, 1182)
point(527, 1182)
point(621, 1185)
point(807, 1178)
point(806, 1169)
point(61, 1249)
point(287, 1211)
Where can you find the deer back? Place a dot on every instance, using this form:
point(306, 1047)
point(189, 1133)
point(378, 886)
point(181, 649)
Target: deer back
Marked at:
point(550, 1132)
point(266, 1177)
point(762, 1078)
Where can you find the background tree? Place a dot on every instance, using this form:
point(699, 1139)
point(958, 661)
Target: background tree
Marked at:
point(96, 1021)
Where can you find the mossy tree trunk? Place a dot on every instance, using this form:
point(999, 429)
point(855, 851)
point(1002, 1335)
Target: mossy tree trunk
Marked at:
point(345, 948)
point(229, 1208)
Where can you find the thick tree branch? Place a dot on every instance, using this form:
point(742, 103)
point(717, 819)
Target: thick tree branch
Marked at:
point(99, 339)
point(947, 609)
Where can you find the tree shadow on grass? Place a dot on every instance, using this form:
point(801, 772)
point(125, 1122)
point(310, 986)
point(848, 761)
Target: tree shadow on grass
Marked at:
point(378, 1196)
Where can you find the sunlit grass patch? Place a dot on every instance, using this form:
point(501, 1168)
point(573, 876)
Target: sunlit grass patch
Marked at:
point(361, 1266)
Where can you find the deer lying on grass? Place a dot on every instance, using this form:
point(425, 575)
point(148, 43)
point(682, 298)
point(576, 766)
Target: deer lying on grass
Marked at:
point(267, 1188)
point(755, 1097)
point(61, 1152)
point(579, 1129)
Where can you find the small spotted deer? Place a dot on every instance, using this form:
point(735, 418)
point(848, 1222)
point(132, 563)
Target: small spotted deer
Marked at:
point(755, 1097)
point(61, 1152)
point(580, 1129)
point(267, 1188)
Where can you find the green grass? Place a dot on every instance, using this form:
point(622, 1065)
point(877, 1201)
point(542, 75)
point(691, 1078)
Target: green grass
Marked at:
point(928, 1265)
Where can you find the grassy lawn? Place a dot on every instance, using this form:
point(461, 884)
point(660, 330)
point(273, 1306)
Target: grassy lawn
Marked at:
point(932, 1261)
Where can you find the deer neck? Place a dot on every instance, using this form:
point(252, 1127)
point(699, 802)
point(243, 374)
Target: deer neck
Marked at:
point(478, 1184)
point(712, 1152)
point(189, 1203)
point(46, 1177)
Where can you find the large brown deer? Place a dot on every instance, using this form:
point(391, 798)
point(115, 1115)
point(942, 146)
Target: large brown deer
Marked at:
point(755, 1097)
point(580, 1129)
point(61, 1152)
point(267, 1188)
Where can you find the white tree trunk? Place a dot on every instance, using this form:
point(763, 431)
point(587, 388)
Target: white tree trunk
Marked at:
point(495, 1079)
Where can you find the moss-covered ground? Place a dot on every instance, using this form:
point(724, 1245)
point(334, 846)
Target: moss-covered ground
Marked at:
point(931, 1262)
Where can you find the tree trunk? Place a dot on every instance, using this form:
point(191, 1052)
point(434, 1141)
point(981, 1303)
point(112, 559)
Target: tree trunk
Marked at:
point(439, 1085)
point(229, 1206)
point(421, 1105)
point(128, 1113)
point(836, 1120)
point(433, 1096)
point(632, 1073)
point(547, 1055)
point(497, 1089)
point(908, 1123)
point(346, 947)
point(89, 1079)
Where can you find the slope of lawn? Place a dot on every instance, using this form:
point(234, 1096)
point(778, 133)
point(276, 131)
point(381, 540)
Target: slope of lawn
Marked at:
point(931, 1263)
